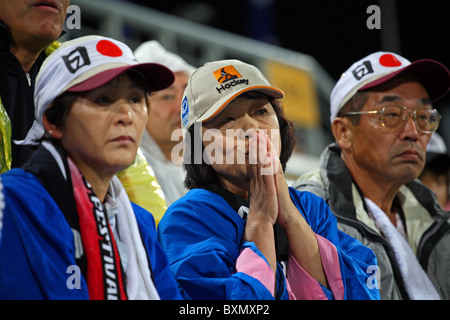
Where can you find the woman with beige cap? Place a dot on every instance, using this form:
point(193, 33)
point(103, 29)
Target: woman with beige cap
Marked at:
point(221, 238)
point(67, 227)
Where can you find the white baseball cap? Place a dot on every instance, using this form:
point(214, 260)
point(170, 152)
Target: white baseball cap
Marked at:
point(84, 64)
point(436, 144)
point(153, 51)
point(213, 86)
point(379, 67)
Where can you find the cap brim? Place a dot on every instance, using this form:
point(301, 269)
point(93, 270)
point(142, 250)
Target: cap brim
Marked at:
point(269, 91)
point(434, 75)
point(156, 76)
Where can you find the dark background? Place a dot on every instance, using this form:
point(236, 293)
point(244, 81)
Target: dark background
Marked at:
point(334, 32)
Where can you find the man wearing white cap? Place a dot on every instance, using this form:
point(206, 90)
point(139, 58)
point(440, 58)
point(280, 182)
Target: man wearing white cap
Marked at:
point(382, 118)
point(164, 118)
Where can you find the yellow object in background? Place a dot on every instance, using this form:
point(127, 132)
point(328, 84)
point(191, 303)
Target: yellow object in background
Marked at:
point(55, 45)
point(142, 187)
point(5, 140)
point(300, 103)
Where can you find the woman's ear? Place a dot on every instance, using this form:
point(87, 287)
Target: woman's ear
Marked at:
point(53, 130)
point(342, 129)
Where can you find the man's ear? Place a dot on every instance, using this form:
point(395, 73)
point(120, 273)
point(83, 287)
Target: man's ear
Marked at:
point(342, 129)
point(52, 129)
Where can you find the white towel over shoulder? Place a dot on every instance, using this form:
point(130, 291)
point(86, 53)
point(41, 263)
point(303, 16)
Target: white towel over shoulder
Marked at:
point(418, 285)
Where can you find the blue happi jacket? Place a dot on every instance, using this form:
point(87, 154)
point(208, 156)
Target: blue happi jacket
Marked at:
point(202, 233)
point(37, 246)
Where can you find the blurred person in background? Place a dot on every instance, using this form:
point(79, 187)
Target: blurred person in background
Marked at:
point(164, 118)
point(436, 173)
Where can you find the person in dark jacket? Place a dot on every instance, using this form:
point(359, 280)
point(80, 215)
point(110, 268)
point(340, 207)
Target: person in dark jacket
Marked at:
point(27, 29)
point(382, 119)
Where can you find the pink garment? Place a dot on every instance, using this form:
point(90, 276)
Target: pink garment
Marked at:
point(300, 285)
point(253, 265)
point(304, 287)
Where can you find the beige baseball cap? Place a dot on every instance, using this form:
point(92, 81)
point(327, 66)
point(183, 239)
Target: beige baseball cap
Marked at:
point(213, 86)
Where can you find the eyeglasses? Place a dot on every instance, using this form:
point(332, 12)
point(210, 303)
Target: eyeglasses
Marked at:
point(426, 120)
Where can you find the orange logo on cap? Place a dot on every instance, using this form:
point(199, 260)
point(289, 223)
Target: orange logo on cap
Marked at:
point(226, 73)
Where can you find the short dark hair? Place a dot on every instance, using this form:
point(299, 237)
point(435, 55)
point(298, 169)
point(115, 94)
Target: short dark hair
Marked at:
point(356, 103)
point(60, 107)
point(59, 110)
point(202, 175)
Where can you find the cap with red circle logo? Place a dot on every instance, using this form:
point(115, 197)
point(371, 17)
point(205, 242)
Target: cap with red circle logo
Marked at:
point(84, 64)
point(380, 67)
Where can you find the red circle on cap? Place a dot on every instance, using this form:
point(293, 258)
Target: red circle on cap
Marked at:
point(107, 48)
point(389, 60)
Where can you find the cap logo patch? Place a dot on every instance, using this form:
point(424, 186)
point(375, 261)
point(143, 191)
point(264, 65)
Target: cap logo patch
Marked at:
point(226, 73)
point(109, 49)
point(389, 60)
point(228, 77)
point(76, 59)
point(362, 70)
point(185, 111)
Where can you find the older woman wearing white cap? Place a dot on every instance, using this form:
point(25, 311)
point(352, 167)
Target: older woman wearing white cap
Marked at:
point(221, 237)
point(67, 227)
